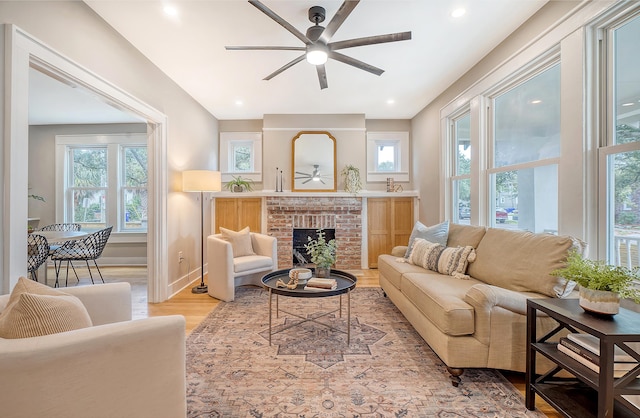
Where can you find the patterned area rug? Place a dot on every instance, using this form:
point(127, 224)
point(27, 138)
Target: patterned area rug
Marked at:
point(310, 371)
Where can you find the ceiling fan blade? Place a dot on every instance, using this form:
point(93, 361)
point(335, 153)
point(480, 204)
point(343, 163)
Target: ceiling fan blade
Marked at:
point(305, 182)
point(265, 48)
point(322, 76)
point(304, 174)
point(356, 63)
point(322, 181)
point(338, 19)
point(370, 40)
point(284, 67)
point(264, 9)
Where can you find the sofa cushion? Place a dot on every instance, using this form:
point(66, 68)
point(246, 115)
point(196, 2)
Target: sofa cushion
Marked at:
point(251, 262)
point(392, 268)
point(35, 310)
point(441, 299)
point(462, 235)
point(445, 260)
point(522, 261)
point(240, 241)
point(435, 233)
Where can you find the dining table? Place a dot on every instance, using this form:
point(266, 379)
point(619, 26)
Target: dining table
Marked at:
point(59, 237)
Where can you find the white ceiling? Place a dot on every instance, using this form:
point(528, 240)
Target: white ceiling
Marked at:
point(189, 48)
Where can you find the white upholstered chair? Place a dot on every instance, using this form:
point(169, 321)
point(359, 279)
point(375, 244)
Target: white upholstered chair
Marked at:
point(226, 271)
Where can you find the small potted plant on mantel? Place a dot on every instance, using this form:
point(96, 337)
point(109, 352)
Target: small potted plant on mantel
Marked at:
point(238, 184)
point(601, 285)
point(323, 253)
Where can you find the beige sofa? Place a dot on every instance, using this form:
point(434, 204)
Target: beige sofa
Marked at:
point(480, 322)
point(115, 368)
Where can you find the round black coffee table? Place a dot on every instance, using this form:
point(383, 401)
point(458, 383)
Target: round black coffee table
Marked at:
point(346, 282)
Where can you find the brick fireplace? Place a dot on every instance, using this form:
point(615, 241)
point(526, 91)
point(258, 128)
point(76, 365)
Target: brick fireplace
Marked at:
point(344, 214)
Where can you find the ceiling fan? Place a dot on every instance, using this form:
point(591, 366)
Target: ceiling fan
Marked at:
point(317, 47)
point(315, 175)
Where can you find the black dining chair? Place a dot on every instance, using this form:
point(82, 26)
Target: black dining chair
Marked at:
point(62, 227)
point(85, 249)
point(37, 253)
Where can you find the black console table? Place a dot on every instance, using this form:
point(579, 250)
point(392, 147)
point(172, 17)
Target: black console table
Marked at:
point(589, 394)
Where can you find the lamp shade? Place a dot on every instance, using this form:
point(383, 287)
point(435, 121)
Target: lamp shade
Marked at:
point(201, 181)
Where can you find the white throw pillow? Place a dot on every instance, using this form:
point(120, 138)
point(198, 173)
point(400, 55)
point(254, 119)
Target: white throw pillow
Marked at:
point(240, 241)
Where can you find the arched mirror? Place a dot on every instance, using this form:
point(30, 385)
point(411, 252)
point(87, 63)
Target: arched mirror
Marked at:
point(314, 162)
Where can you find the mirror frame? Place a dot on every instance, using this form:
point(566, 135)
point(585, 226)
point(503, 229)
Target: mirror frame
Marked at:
point(295, 162)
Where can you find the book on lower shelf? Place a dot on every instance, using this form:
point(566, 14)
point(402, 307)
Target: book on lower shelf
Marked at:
point(322, 284)
point(592, 344)
point(619, 368)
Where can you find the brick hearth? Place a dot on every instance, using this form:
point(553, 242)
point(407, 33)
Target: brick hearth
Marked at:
point(344, 214)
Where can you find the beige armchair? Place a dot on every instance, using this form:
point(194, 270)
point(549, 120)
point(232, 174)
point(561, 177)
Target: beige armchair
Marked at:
point(115, 368)
point(227, 272)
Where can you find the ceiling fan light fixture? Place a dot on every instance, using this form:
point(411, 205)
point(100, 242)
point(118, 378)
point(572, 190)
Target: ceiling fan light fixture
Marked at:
point(317, 54)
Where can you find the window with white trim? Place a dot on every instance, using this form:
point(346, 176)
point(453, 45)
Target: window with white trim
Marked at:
point(460, 140)
point(387, 156)
point(102, 180)
point(241, 155)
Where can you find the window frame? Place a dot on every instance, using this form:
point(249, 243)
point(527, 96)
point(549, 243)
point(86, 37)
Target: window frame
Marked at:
point(113, 143)
point(227, 142)
point(453, 178)
point(402, 169)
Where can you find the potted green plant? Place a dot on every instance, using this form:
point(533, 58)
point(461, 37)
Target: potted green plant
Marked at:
point(238, 184)
point(351, 176)
point(601, 285)
point(322, 252)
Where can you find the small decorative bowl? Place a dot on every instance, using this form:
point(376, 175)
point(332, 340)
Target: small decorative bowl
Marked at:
point(303, 274)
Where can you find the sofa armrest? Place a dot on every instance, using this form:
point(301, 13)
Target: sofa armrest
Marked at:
point(485, 298)
point(124, 369)
point(220, 268)
point(399, 251)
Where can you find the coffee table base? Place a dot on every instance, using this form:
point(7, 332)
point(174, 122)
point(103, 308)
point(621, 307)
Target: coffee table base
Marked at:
point(315, 319)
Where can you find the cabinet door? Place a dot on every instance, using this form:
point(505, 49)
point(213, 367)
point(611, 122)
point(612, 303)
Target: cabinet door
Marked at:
point(389, 223)
point(237, 213)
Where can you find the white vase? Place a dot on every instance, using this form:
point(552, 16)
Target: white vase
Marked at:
point(352, 182)
point(599, 301)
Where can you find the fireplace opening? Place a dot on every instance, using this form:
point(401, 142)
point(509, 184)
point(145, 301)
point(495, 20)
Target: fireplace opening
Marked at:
point(300, 238)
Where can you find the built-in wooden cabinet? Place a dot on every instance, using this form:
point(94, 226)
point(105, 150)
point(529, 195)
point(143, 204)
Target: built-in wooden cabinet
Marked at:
point(389, 223)
point(237, 213)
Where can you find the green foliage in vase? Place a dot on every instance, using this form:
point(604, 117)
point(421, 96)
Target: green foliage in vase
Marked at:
point(323, 253)
point(245, 184)
point(597, 275)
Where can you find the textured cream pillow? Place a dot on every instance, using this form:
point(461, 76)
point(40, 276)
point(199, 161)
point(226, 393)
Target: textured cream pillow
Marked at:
point(35, 309)
point(240, 241)
point(445, 260)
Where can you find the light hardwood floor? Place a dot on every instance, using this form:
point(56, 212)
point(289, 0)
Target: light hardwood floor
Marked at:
point(195, 307)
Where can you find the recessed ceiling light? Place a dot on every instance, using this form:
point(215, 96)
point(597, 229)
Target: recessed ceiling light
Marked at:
point(536, 101)
point(459, 12)
point(239, 103)
point(391, 101)
point(628, 104)
point(170, 10)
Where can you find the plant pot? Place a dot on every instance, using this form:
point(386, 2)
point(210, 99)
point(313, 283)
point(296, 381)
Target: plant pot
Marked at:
point(601, 302)
point(324, 272)
point(238, 189)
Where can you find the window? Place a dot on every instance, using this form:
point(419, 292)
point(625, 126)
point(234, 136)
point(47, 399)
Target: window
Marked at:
point(523, 174)
point(460, 132)
point(620, 150)
point(241, 155)
point(102, 181)
point(387, 156)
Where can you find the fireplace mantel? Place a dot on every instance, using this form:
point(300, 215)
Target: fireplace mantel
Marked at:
point(363, 194)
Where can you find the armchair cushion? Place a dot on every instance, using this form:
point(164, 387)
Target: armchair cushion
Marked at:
point(35, 310)
point(251, 262)
point(240, 241)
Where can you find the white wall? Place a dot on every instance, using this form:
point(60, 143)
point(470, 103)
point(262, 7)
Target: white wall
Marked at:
point(77, 32)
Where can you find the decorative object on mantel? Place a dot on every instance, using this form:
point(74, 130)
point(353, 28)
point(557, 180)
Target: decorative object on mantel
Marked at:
point(279, 180)
point(239, 185)
point(352, 182)
point(601, 285)
point(392, 186)
point(323, 253)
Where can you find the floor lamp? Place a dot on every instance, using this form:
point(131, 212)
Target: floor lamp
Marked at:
point(201, 181)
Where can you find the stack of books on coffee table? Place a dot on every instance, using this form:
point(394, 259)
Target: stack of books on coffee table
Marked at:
point(321, 284)
point(585, 348)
